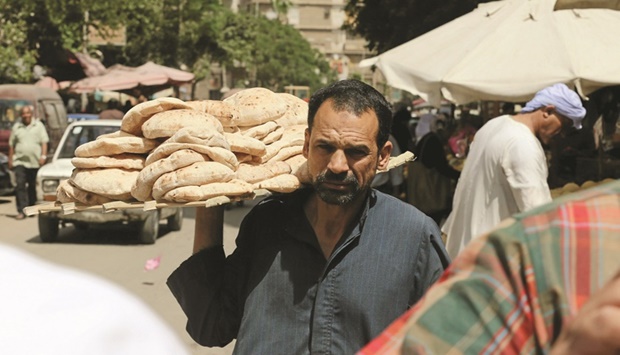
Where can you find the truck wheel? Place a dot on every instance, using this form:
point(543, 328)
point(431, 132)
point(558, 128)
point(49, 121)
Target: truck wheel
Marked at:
point(150, 228)
point(175, 222)
point(48, 228)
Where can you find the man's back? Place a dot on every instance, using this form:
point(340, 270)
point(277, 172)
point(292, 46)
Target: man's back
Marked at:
point(505, 165)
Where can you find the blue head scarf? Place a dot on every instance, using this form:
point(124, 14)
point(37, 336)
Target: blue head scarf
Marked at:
point(566, 102)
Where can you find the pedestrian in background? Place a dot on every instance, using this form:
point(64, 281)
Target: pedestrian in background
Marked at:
point(506, 168)
point(27, 152)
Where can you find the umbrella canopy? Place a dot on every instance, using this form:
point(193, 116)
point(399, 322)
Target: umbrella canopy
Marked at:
point(119, 77)
point(507, 51)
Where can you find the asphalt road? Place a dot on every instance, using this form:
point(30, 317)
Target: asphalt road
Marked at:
point(114, 255)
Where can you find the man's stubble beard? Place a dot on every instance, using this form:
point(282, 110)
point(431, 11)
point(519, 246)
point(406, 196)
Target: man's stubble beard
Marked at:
point(334, 197)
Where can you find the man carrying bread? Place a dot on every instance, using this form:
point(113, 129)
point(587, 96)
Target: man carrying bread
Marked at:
point(506, 168)
point(323, 269)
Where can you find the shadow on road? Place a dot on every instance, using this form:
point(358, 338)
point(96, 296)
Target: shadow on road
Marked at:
point(100, 234)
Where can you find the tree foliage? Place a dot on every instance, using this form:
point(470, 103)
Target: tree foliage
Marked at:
point(386, 24)
point(190, 34)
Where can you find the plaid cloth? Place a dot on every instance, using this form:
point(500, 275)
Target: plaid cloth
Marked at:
point(512, 290)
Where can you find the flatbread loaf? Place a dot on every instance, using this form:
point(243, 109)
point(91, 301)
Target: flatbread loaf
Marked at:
point(296, 112)
point(244, 144)
point(136, 116)
point(199, 135)
point(273, 136)
point(67, 192)
point(124, 161)
point(260, 131)
point(143, 186)
point(200, 173)
point(218, 154)
point(226, 113)
point(286, 153)
point(113, 183)
point(281, 183)
point(204, 192)
point(256, 173)
point(295, 162)
point(303, 173)
point(257, 106)
point(123, 143)
point(167, 123)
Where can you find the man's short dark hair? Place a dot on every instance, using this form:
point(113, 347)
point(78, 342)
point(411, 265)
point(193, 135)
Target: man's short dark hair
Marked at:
point(355, 97)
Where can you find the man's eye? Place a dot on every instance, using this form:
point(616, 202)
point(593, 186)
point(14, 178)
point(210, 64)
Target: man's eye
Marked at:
point(356, 152)
point(325, 147)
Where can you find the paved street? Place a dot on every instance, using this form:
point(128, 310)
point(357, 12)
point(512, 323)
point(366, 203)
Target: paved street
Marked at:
point(113, 254)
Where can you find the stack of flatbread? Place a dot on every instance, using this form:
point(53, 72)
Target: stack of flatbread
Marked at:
point(175, 151)
point(106, 169)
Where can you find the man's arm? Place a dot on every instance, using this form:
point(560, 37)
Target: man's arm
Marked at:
point(596, 327)
point(43, 157)
point(11, 153)
point(209, 228)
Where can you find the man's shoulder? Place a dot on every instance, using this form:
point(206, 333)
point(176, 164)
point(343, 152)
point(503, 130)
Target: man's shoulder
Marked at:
point(390, 206)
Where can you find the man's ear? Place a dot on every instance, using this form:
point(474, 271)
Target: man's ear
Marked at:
point(384, 156)
point(306, 143)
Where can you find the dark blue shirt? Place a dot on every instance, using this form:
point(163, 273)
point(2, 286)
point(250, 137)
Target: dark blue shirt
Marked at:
point(277, 294)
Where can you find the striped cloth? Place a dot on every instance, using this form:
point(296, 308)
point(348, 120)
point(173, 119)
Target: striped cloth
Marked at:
point(512, 290)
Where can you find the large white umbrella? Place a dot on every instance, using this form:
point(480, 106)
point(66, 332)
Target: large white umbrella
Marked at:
point(507, 51)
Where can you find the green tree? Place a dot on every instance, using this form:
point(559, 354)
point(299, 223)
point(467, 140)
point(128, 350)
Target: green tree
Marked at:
point(16, 58)
point(386, 24)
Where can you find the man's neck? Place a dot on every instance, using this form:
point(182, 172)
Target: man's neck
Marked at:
point(528, 119)
point(330, 222)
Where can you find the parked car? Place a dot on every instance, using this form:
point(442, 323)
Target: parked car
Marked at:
point(60, 168)
point(72, 117)
point(7, 183)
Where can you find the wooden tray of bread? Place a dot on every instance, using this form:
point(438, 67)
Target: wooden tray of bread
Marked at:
point(173, 153)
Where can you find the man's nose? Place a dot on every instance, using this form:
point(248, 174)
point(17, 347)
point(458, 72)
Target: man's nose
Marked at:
point(338, 162)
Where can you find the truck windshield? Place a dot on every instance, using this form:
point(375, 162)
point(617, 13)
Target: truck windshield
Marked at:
point(80, 135)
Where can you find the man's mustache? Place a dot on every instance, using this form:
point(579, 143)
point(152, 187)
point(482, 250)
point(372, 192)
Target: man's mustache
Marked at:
point(329, 176)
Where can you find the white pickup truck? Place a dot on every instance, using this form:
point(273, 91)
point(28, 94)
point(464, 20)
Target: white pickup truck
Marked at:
point(60, 168)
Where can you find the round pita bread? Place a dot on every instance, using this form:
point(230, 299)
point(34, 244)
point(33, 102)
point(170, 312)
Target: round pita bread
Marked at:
point(111, 182)
point(197, 174)
point(199, 135)
point(123, 143)
point(218, 154)
point(257, 106)
point(143, 186)
point(226, 113)
point(204, 192)
point(243, 144)
point(165, 124)
point(124, 161)
point(296, 112)
point(136, 116)
point(256, 173)
point(67, 192)
point(281, 183)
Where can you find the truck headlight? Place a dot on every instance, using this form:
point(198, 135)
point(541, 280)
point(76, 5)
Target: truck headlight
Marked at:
point(49, 186)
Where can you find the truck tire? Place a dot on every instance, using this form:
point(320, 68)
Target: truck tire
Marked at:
point(48, 228)
point(150, 228)
point(175, 222)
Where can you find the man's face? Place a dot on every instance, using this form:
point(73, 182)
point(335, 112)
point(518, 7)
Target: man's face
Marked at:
point(342, 154)
point(26, 115)
point(553, 125)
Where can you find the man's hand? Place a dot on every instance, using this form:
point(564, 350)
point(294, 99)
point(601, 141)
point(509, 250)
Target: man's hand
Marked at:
point(209, 228)
point(596, 327)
